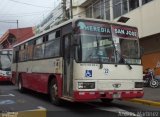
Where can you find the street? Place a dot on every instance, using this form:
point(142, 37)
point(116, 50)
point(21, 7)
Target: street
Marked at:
point(64, 54)
point(11, 100)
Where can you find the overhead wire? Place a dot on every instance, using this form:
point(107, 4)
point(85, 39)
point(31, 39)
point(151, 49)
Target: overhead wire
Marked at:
point(24, 15)
point(6, 7)
point(3, 5)
point(10, 22)
point(29, 4)
point(7, 21)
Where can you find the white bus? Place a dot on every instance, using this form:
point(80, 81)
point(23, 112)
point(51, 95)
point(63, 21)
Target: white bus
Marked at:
point(5, 64)
point(81, 60)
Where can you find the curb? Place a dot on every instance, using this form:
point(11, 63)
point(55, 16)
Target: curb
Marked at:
point(33, 113)
point(27, 113)
point(145, 102)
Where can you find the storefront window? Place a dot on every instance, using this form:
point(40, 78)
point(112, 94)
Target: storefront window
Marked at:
point(97, 10)
point(145, 1)
point(124, 6)
point(133, 4)
point(89, 12)
point(117, 8)
point(107, 9)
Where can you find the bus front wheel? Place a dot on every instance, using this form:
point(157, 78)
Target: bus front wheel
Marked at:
point(53, 92)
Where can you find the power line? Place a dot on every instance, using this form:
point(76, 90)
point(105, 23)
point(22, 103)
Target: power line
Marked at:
point(29, 4)
point(22, 14)
point(25, 15)
point(8, 21)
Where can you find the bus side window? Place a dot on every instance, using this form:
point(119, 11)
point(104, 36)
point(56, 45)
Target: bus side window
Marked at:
point(23, 52)
point(58, 34)
point(52, 47)
point(30, 50)
point(39, 48)
point(16, 56)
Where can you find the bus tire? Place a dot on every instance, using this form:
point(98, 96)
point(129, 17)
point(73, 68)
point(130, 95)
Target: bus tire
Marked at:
point(20, 85)
point(53, 93)
point(106, 100)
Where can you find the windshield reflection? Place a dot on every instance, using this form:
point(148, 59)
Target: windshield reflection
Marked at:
point(5, 62)
point(128, 50)
point(97, 49)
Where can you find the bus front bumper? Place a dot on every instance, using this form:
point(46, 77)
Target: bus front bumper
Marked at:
point(5, 78)
point(93, 95)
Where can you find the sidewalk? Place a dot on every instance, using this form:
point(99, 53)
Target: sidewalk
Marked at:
point(152, 94)
point(151, 97)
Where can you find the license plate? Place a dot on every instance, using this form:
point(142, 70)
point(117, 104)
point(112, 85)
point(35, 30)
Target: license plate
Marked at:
point(116, 95)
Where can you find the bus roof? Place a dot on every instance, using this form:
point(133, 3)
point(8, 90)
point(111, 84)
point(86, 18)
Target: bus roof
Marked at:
point(69, 21)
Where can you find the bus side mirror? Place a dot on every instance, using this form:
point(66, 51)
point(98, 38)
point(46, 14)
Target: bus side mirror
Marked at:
point(76, 41)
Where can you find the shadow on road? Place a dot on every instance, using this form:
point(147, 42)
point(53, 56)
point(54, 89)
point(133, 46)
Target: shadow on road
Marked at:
point(5, 83)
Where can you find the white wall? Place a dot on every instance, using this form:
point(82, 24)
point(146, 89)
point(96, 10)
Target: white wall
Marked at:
point(78, 12)
point(76, 9)
point(75, 3)
point(146, 18)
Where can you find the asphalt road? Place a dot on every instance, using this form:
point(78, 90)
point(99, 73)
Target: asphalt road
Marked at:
point(11, 100)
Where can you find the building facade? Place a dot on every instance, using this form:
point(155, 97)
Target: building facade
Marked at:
point(13, 36)
point(144, 14)
point(53, 17)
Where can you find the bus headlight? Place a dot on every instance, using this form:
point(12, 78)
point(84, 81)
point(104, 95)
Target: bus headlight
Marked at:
point(86, 85)
point(138, 84)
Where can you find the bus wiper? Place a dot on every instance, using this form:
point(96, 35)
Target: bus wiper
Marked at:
point(122, 60)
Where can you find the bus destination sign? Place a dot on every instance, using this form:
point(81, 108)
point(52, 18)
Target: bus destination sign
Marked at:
point(125, 32)
point(94, 27)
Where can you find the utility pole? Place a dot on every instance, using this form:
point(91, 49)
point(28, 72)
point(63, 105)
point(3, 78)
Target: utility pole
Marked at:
point(17, 24)
point(17, 30)
point(64, 9)
point(71, 12)
point(16, 54)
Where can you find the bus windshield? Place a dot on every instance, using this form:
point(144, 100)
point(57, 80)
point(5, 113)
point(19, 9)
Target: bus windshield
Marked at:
point(100, 42)
point(96, 49)
point(5, 62)
point(129, 48)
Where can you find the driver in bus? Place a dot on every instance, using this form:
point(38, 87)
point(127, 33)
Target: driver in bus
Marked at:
point(96, 54)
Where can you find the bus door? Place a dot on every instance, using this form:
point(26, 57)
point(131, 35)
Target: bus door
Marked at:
point(68, 66)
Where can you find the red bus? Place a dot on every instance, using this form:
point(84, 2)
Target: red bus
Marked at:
point(5, 64)
point(81, 60)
